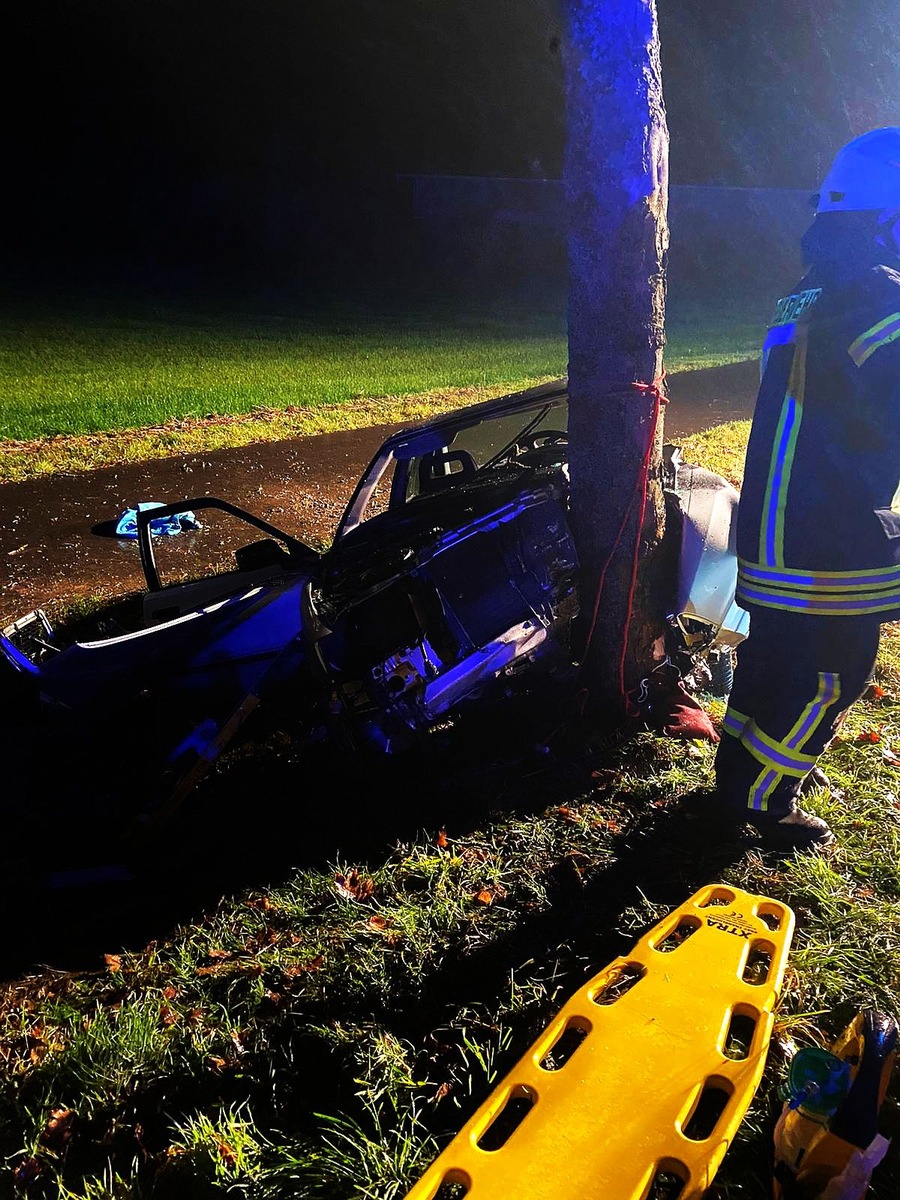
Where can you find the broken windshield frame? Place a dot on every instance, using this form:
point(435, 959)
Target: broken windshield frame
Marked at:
point(488, 432)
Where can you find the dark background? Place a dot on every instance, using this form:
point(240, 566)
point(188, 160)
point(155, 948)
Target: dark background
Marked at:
point(258, 143)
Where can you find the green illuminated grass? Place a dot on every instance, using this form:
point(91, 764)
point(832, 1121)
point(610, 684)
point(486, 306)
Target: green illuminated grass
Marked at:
point(202, 380)
point(721, 449)
point(84, 376)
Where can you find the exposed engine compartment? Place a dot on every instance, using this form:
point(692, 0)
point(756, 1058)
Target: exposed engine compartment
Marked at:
point(453, 612)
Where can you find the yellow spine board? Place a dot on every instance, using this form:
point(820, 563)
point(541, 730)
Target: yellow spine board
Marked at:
point(673, 1042)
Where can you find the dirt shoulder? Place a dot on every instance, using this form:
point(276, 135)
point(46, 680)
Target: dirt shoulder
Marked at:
point(49, 555)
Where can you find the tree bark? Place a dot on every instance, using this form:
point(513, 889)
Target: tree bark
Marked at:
point(616, 185)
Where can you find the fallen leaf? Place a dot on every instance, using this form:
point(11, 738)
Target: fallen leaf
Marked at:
point(443, 1090)
point(215, 1062)
point(227, 1154)
point(261, 902)
point(169, 992)
point(219, 954)
point(891, 758)
point(441, 842)
point(567, 814)
point(113, 963)
point(354, 886)
point(57, 1132)
point(29, 1170)
point(475, 853)
point(870, 735)
point(377, 923)
point(241, 1039)
point(168, 1015)
point(314, 964)
point(874, 692)
point(485, 896)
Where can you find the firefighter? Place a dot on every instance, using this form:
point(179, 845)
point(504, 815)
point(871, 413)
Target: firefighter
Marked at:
point(818, 533)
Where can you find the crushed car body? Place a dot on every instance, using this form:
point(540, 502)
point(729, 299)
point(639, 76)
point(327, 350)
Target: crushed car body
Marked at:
point(452, 578)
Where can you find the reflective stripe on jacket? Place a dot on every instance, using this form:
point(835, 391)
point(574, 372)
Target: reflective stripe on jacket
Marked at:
point(819, 518)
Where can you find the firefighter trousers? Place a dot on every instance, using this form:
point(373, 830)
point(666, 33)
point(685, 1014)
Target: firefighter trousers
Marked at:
point(796, 677)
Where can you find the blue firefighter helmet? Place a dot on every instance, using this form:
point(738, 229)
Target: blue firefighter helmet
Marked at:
point(865, 174)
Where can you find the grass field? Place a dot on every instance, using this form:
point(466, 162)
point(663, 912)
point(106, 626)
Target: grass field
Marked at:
point(96, 371)
point(116, 373)
point(71, 377)
point(323, 1037)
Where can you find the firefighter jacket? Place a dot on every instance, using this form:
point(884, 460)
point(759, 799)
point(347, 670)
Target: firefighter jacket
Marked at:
point(819, 517)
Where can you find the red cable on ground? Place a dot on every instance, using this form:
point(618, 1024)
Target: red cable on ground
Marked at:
point(654, 390)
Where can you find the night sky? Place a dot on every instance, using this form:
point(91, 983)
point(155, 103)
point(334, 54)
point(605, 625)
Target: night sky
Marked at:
point(145, 133)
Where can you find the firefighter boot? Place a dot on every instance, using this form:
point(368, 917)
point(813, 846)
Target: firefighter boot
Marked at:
point(795, 829)
point(815, 777)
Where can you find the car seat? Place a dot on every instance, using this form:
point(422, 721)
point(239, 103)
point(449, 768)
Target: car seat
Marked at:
point(444, 468)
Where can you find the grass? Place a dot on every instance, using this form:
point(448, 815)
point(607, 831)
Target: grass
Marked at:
point(325, 1036)
point(87, 386)
point(721, 449)
point(110, 373)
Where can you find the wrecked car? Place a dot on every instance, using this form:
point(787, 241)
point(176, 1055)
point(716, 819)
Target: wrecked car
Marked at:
point(452, 578)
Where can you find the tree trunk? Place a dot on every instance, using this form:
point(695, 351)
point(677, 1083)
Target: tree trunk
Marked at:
point(616, 196)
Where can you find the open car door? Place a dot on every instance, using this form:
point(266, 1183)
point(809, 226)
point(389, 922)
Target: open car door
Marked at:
point(139, 715)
